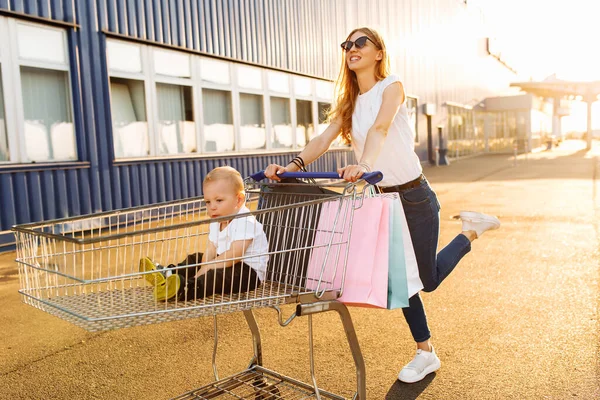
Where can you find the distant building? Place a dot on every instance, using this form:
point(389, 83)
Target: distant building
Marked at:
point(524, 120)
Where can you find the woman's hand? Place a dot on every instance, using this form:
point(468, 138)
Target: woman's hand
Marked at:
point(352, 172)
point(273, 171)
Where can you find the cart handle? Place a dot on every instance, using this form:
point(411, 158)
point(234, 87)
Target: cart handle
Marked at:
point(370, 177)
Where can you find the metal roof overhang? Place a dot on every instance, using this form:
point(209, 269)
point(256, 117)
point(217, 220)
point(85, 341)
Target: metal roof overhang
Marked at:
point(588, 90)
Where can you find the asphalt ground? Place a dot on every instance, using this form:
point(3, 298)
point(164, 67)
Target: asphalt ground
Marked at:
point(517, 319)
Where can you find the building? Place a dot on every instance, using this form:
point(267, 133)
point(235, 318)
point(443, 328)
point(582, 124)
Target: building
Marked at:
point(524, 120)
point(109, 105)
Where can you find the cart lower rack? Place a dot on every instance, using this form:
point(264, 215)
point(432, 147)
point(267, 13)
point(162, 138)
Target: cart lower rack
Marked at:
point(100, 271)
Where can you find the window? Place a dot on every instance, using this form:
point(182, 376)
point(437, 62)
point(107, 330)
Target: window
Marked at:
point(252, 129)
point(4, 154)
point(324, 90)
point(177, 130)
point(49, 131)
point(217, 106)
point(218, 121)
point(324, 97)
point(323, 109)
point(36, 42)
point(460, 132)
point(249, 77)
point(167, 102)
point(124, 57)
point(305, 130)
point(253, 135)
point(152, 112)
point(34, 71)
point(302, 86)
point(172, 63)
point(411, 108)
point(278, 82)
point(214, 71)
point(282, 123)
point(130, 125)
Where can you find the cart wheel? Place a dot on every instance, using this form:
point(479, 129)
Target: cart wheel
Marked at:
point(265, 391)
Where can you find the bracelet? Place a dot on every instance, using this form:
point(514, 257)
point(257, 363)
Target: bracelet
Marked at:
point(301, 161)
point(297, 164)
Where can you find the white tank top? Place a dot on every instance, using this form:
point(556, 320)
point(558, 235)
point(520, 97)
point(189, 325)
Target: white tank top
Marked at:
point(397, 160)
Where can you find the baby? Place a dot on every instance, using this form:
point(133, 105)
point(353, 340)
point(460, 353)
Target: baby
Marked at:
point(235, 260)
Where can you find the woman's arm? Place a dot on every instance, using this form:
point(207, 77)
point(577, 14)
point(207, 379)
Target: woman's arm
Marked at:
point(393, 97)
point(233, 255)
point(313, 150)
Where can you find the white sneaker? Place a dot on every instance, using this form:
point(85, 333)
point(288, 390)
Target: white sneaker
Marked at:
point(424, 363)
point(478, 222)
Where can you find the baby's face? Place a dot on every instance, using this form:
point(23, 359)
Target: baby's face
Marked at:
point(221, 199)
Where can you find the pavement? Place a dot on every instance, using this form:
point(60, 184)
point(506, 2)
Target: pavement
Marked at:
point(517, 319)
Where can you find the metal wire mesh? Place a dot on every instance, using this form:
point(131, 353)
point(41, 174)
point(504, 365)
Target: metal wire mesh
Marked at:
point(87, 270)
point(257, 383)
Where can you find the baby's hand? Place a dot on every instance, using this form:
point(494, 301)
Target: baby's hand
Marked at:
point(201, 271)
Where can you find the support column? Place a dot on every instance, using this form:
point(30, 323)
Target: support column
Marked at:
point(589, 102)
point(555, 119)
point(430, 155)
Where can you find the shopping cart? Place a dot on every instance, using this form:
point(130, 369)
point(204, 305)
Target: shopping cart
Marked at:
point(87, 271)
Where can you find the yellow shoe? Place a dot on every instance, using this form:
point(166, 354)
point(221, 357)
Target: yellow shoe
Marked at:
point(155, 279)
point(169, 289)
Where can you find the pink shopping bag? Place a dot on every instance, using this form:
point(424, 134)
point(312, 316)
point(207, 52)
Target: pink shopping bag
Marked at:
point(365, 282)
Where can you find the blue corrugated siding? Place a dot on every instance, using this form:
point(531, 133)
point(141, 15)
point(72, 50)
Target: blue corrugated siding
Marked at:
point(59, 10)
point(42, 194)
point(95, 104)
point(142, 183)
point(282, 34)
point(30, 196)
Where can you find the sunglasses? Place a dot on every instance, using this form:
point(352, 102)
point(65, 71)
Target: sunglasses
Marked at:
point(360, 43)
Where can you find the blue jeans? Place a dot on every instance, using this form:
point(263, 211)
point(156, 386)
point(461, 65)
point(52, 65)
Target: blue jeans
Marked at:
point(422, 211)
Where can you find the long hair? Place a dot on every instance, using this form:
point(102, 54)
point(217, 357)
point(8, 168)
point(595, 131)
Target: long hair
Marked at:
point(346, 86)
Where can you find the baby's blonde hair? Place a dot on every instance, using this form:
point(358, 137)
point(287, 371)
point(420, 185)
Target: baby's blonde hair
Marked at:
point(226, 173)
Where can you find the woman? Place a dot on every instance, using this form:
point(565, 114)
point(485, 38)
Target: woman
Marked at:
point(370, 113)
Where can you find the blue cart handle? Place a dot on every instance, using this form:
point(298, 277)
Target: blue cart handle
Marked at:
point(370, 177)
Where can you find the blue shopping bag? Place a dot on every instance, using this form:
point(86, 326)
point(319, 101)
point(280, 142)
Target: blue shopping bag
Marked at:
point(397, 276)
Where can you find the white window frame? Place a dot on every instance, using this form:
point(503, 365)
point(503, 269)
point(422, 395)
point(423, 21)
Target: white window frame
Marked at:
point(320, 99)
point(10, 112)
point(225, 87)
point(314, 113)
point(11, 64)
point(416, 139)
point(310, 99)
point(150, 79)
point(179, 81)
point(290, 96)
point(264, 92)
point(143, 76)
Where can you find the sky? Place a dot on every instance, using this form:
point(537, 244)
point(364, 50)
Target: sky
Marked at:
point(546, 37)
